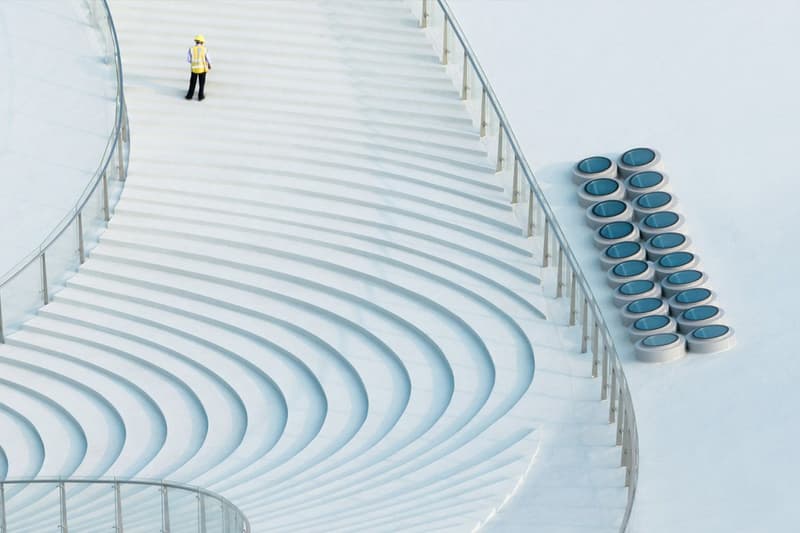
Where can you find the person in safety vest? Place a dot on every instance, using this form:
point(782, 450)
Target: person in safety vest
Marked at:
point(198, 58)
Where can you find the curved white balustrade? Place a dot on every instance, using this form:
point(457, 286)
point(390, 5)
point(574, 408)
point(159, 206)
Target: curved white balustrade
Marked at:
point(43, 504)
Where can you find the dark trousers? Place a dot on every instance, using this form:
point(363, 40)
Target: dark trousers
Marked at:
point(193, 81)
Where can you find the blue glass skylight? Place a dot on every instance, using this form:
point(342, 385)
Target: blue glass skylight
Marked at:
point(601, 186)
point(609, 208)
point(595, 164)
point(653, 200)
point(645, 305)
point(616, 230)
point(629, 268)
point(623, 249)
point(675, 260)
point(644, 180)
point(661, 339)
point(662, 219)
point(637, 286)
point(637, 157)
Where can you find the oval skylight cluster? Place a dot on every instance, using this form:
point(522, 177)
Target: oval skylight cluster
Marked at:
point(663, 296)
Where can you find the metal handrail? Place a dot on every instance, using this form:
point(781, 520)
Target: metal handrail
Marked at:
point(116, 145)
point(233, 519)
point(570, 277)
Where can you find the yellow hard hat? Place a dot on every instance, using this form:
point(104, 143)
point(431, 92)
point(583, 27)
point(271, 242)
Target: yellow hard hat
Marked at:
point(199, 38)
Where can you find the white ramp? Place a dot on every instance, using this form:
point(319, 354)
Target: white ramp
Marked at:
point(313, 297)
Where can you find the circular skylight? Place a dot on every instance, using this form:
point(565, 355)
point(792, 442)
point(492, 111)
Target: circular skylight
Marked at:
point(684, 276)
point(701, 312)
point(594, 164)
point(623, 249)
point(646, 179)
point(691, 296)
point(661, 339)
point(630, 268)
point(609, 208)
point(667, 240)
point(634, 289)
point(660, 347)
point(653, 200)
point(710, 338)
point(645, 305)
point(638, 157)
point(616, 230)
point(710, 332)
point(649, 323)
point(601, 186)
point(637, 286)
point(662, 219)
point(676, 259)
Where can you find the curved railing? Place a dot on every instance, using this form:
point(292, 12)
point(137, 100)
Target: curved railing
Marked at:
point(30, 283)
point(540, 221)
point(113, 505)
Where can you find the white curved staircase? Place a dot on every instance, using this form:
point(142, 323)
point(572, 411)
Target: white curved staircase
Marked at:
point(313, 298)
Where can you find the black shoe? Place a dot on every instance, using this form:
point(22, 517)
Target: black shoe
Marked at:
point(188, 96)
point(201, 98)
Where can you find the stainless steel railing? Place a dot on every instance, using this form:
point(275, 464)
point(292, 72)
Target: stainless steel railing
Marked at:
point(55, 504)
point(540, 220)
point(30, 283)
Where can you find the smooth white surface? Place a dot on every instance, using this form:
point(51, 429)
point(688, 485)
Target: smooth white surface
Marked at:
point(713, 85)
point(57, 94)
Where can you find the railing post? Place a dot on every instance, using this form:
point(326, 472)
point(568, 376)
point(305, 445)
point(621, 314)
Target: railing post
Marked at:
point(629, 455)
point(483, 112)
point(444, 41)
point(201, 512)
point(117, 507)
point(424, 21)
point(626, 443)
point(3, 528)
point(62, 499)
point(515, 181)
point(164, 510)
point(595, 347)
point(620, 414)
point(530, 214)
point(560, 282)
point(546, 246)
point(120, 156)
point(500, 158)
point(45, 291)
point(81, 244)
point(123, 138)
point(612, 405)
point(604, 385)
point(585, 325)
point(465, 77)
point(106, 209)
point(573, 298)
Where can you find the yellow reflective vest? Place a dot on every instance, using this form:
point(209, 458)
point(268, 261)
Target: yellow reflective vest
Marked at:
point(199, 64)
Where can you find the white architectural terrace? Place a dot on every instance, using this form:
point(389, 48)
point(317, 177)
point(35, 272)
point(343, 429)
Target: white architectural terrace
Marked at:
point(315, 298)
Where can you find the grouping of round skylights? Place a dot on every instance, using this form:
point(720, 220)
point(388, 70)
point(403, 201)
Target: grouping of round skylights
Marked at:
point(662, 295)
